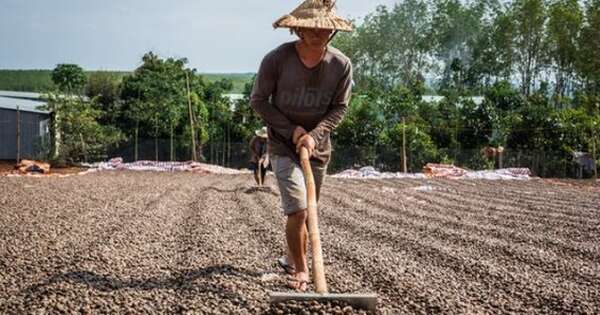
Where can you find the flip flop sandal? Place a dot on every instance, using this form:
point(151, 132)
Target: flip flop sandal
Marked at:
point(282, 262)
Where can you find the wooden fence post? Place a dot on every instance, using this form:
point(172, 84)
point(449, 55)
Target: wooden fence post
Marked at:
point(404, 164)
point(137, 127)
point(594, 155)
point(457, 145)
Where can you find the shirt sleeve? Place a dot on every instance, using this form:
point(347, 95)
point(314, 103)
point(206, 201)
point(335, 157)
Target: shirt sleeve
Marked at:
point(338, 108)
point(260, 99)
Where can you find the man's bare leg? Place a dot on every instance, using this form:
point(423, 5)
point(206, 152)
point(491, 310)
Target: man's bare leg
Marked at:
point(296, 235)
point(256, 177)
point(290, 258)
point(263, 174)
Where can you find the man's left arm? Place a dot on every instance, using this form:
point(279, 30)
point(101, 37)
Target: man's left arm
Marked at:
point(337, 109)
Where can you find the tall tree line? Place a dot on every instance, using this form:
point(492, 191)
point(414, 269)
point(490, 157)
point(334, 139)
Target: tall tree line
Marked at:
point(533, 63)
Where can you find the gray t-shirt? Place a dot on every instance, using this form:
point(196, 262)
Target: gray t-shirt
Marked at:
point(287, 94)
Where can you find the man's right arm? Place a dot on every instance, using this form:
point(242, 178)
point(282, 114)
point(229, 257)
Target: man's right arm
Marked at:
point(264, 86)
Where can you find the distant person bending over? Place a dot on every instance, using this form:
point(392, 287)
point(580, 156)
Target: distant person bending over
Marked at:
point(302, 91)
point(259, 159)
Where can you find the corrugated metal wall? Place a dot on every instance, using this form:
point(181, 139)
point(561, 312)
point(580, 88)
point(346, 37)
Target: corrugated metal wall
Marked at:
point(32, 130)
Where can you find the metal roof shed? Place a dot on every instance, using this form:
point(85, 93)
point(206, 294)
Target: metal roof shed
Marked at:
point(33, 126)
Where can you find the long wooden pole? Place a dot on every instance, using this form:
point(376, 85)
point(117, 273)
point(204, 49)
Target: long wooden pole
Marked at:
point(228, 144)
point(171, 153)
point(137, 127)
point(83, 149)
point(455, 141)
point(500, 154)
point(18, 135)
point(156, 143)
point(594, 155)
point(187, 81)
point(404, 164)
point(313, 224)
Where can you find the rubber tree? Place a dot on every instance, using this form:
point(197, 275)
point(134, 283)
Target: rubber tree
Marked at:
point(564, 25)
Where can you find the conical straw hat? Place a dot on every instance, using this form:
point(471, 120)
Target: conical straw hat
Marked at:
point(262, 132)
point(314, 14)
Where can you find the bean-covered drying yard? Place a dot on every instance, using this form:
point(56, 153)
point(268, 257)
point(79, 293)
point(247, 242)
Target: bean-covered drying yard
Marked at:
point(141, 242)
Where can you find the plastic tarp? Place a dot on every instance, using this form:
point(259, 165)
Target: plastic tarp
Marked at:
point(370, 172)
point(159, 166)
point(440, 171)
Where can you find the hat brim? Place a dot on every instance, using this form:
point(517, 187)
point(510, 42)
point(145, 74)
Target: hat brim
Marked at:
point(261, 134)
point(328, 23)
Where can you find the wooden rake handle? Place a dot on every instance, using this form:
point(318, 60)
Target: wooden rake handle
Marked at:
point(318, 267)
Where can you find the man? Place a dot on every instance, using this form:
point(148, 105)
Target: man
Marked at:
point(259, 159)
point(302, 91)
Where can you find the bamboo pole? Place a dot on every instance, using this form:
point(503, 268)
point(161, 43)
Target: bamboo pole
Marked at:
point(318, 266)
point(191, 113)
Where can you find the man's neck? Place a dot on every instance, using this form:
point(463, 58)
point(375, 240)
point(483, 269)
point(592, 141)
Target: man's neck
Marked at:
point(311, 54)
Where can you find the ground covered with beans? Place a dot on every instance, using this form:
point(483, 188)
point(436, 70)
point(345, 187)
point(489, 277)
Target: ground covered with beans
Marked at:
point(141, 242)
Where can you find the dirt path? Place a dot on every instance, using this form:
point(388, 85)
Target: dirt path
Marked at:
point(119, 242)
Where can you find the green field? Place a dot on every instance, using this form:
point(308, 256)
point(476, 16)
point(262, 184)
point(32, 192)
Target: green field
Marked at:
point(40, 80)
point(238, 79)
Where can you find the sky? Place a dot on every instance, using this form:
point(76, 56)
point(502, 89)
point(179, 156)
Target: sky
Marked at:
point(221, 36)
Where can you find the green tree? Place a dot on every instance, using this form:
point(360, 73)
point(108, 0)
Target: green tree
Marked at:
point(503, 46)
point(535, 128)
point(419, 145)
point(199, 119)
point(158, 90)
point(391, 46)
point(69, 78)
point(104, 87)
point(504, 97)
point(78, 135)
point(529, 17)
point(400, 102)
point(245, 120)
point(589, 42)
point(221, 114)
point(478, 122)
point(456, 28)
point(443, 119)
point(564, 24)
point(577, 130)
point(362, 125)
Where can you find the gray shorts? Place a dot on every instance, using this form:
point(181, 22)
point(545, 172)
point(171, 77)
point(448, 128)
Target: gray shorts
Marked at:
point(290, 180)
